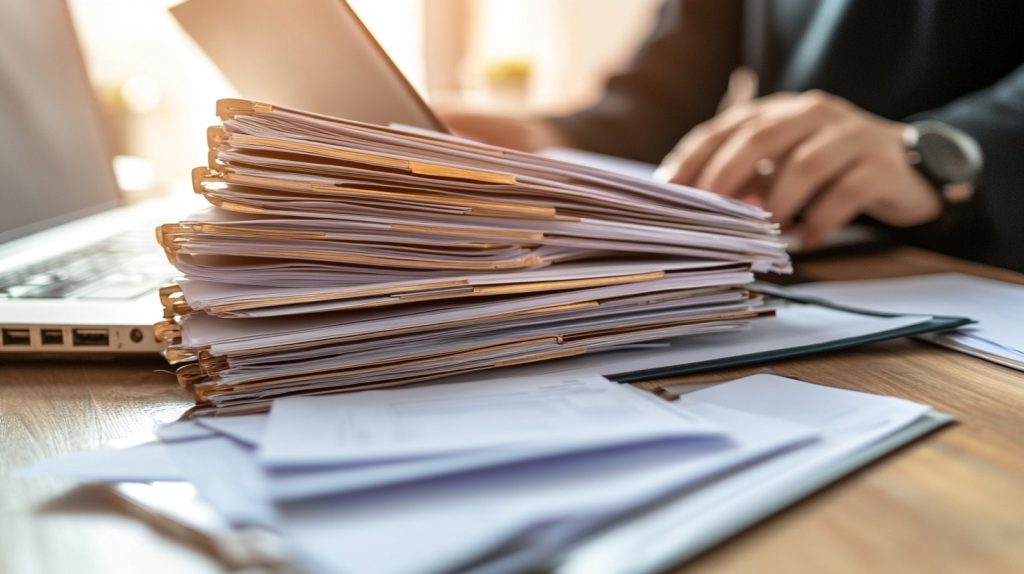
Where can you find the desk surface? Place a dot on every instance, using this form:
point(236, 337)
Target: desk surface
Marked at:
point(953, 502)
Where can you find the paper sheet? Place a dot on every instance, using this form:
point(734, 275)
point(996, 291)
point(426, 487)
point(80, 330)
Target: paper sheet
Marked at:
point(247, 429)
point(441, 524)
point(228, 477)
point(181, 430)
point(143, 463)
point(601, 161)
point(846, 422)
point(997, 306)
point(522, 516)
point(551, 414)
point(793, 326)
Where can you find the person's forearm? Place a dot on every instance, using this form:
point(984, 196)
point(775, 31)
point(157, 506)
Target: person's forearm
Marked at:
point(674, 82)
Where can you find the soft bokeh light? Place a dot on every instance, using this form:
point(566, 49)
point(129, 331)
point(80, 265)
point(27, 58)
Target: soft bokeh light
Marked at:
point(141, 93)
point(398, 27)
point(134, 174)
point(157, 89)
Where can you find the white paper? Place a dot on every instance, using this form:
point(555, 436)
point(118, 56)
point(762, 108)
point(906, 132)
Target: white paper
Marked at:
point(793, 326)
point(846, 421)
point(978, 347)
point(526, 513)
point(564, 414)
point(827, 409)
point(181, 430)
point(997, 306)
point(227, 336)
point(143, 463)
point(440, 524)
point(227, 477)
point(247, 429)
point(606, 162)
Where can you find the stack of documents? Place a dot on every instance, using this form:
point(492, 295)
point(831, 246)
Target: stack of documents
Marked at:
point(342, 256)
point(577, 474)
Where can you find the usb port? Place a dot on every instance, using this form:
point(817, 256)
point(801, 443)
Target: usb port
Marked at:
point(16, 337)
point(51, 336)
point(90, 337)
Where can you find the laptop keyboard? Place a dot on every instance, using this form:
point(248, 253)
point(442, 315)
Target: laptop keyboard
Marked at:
point(121, 267)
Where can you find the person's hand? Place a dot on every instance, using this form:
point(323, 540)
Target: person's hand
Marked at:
point(522, 134)
point(809, 153)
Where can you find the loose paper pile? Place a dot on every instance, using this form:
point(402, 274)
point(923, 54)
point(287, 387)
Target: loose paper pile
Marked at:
point(346, 256)
point(997, 307)
point(502, 475)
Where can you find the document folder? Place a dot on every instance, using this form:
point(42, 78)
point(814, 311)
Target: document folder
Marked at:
point(926, 324)
point(341, 256)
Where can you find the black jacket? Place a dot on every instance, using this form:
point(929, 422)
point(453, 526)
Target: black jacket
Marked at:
point(956, 61)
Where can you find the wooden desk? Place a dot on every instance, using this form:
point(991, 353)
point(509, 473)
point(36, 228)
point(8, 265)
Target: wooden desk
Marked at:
point(953, 502)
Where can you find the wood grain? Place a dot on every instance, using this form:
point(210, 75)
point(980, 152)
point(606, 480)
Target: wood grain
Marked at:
point(953, 502)
point(50, 526)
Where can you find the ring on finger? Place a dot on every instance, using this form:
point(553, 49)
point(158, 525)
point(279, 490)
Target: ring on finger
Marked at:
point(764, 167)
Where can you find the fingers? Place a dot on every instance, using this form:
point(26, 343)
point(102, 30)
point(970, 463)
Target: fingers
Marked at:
point(909, 199)
point(811, 166)
point(839, 204)
point(824, 152)
point(697, 147)
point(770, 137)
point(734, 163)
point(692, 152)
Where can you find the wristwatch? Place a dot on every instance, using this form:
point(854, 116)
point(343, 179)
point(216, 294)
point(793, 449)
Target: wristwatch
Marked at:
point(947, 157)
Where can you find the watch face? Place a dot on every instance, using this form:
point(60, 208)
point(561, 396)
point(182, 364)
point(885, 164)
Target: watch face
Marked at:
point(945, 159)
point(946, 154)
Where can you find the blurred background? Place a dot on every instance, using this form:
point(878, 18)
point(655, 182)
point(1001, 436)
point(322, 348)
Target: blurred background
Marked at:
point(157, 88)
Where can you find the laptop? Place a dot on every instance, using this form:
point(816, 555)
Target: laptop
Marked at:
point(313, 55)
point(79, 273)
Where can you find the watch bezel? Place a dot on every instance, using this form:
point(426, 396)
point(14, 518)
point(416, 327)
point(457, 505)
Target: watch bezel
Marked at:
point(964, 143)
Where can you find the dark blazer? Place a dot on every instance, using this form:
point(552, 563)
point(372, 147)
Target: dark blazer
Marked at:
point(953, 60)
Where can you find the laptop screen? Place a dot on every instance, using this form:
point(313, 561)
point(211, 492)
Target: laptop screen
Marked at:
point(54, 166)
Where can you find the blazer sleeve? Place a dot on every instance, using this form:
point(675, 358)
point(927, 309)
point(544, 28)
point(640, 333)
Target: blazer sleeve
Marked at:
point(673, 83)
point(992, 223)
